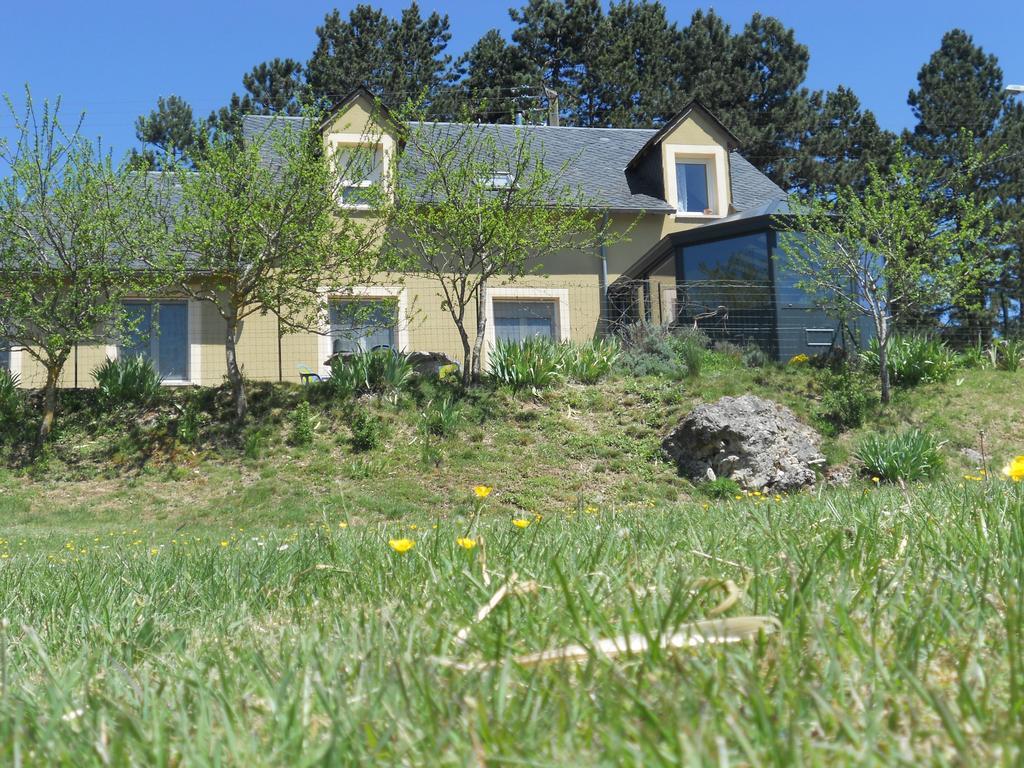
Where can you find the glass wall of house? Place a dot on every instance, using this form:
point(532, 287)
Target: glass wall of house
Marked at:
point(724, 287)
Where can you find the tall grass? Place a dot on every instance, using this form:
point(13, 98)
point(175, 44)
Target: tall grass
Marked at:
point(129, 380)
point(899, 642)
point(913, 360)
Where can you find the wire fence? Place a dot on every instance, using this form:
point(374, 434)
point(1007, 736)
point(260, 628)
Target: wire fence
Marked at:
point(411, 317)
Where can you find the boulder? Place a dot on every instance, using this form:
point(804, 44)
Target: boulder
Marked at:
point(758, 443)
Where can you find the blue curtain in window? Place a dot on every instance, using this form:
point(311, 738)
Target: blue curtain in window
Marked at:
point(519, 320)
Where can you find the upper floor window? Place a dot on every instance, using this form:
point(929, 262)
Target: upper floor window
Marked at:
point(692, 191)
point(361, 167)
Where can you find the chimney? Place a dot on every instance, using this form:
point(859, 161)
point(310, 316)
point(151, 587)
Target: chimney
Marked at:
point(552, 107)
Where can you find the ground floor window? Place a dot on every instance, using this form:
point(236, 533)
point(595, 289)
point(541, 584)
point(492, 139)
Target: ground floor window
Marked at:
point(361, 325)
point(158, 331)
point(5, 356)
point(516, 320)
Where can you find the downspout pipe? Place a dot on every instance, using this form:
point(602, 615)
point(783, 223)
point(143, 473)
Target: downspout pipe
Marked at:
point(602, 252)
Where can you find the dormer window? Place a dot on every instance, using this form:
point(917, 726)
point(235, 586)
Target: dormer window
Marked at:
point(692, 192)
point(361, 166)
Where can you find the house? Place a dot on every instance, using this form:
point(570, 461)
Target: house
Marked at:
point(701, 249)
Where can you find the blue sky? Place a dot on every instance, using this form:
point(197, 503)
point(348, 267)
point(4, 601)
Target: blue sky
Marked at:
point(113, 58)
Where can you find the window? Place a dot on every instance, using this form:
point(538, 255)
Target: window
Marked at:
point(520, 320)
point(359, 325)
point(159, 333)
point(361, 167)
point(692, 191)
point(5, 356)
point(498, 180)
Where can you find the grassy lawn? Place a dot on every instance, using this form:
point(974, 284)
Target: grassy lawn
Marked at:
point(238, 602)
point(900, 637)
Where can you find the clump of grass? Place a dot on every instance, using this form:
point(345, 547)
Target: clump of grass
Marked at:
point(534, 363)
point(908, 456)
point(369, 431)
point(125, 381)
point(12, 404)
point(720, 488)
point(382, 372)
point(913, 360)
point(303, 425)
point(590, 362)
point(442, 416)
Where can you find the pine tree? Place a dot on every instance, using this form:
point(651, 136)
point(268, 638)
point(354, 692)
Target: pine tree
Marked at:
point(168, 133)
point(395, 60)
point(275, 87)
point(493, 81)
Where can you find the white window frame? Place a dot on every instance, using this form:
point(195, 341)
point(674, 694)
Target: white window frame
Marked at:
point(715, 158)
point(385, 143)
point(559, 296)
point(194, 355)
point(368, 293)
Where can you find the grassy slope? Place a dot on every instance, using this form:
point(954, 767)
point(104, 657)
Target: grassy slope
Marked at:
point(574, 446)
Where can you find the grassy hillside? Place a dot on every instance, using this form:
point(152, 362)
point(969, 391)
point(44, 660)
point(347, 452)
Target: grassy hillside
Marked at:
point(567, 448)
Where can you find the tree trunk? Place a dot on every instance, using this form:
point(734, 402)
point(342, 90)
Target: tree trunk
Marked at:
point(49, 403)
point(238, 396)
point(883, 362)
point(481, 329)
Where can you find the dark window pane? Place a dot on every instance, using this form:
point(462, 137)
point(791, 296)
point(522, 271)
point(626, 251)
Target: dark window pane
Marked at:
point(172, 341)
point(5, 356)
point(520, 320)
point(692, 187)
point(362, 325)
point(726, 289)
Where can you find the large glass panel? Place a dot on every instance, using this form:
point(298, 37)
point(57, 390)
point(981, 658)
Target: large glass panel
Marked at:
point(5, 356)
point(692, 187)
point(172, 341)
point(726, 289)
point(520, 320)
point(359, 326)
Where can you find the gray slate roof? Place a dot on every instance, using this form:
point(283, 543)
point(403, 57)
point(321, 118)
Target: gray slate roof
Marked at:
point(596, 160)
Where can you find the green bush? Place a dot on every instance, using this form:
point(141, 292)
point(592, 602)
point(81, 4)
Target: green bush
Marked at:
point(664, 351)
point(130, 380)
point(1008, 354)
point(369, 431)
point(378, 372)
point(12, 404)
point(254, 442)
point(720, 488)
point(442, 416)
point(189, 423)
point(913, 360)
point(534, 363)
point(302, 425)
point(847, 394)
point(590, 362)
point(908, 456)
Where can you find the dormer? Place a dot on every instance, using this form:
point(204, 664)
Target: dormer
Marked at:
point(688, 162)
point(360, 134)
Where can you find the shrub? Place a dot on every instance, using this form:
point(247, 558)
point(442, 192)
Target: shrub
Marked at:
point(189, 423)
point(590, 362)
point(11, 404)
point(254, 442)
point(130, 380)
point(1008, 354)
point(378, 372)
point(302, 424)
point(847, 394)
point(369, 431)
point(912, 455)
point(658, 350)
point(720, 488)
point(533, 363)
point(913, 360)
point(755, 357)
point(442, 416)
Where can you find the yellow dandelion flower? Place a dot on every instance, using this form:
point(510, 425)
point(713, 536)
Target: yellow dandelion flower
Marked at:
point(152, 551)
point(876, 480)
point(465, 543)
point(520, 522)
point(401, 546)
point(223, 543)
point(343, 524)
point(738, 496)
point(1015, 469)
point(482, 491)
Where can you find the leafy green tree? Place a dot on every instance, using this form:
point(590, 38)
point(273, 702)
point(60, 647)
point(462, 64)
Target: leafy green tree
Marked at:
point(270, 238)
point(73, 231)
point(492, 81)
point(396, 60)
point(469, 208)
point(885, 253)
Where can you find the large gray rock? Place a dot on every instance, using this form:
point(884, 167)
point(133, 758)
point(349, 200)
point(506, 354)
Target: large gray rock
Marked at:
point(759, 444)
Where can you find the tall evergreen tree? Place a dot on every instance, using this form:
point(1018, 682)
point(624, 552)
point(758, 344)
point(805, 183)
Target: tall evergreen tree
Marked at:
point(492, 81)
point(275, 87)
point(396, 60)
point(168, 134)
point(957, 103)
point(843, 140)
